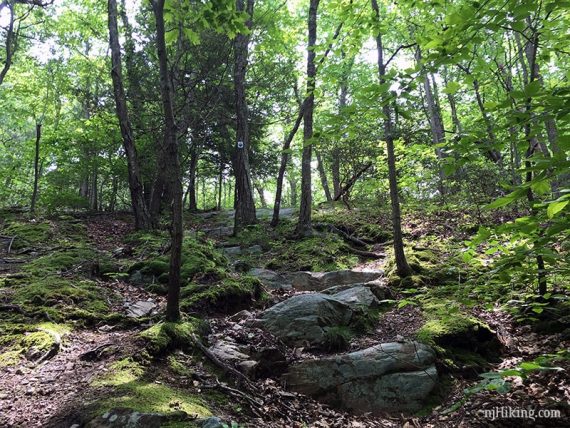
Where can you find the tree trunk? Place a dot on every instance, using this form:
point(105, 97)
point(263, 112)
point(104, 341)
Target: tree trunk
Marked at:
point(245, 206)
point(142, 219)
point(323, 175)
point(113, 199)
point(172, 160)
point(292, 191)
point(304, 226)
point(402, 267)
point(220, 186)
point(192, 202)
point(36, 168)
point(261, 193)
point(283, 166)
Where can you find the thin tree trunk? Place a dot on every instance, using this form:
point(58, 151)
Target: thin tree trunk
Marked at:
point(142, 219)
point(245, 206)
point(172, 159)
point(292, 191)
point(220, 186)
point(113, 199)
point(283, 166)
point(304, 227)
point(532, 146)
point(323, 175)
point(36, 168)
point(402, 267)
point(260, 192)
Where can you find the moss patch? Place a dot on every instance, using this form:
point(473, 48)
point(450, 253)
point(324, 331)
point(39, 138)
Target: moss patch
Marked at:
point(33, 343)
point(130, 389)
point(320, 253)
point(29, 234)
point(200, 262)
point(228, 296)
point(63, 299)
point(463, 341)
point(166, 336)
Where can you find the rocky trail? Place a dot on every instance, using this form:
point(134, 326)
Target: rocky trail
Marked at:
point(340, 337)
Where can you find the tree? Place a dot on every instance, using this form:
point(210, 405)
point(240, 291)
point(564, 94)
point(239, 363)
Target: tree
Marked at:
point(142, 218)
point(304, 226)
point(245, 207)
point(172, 164)
point(402, 267)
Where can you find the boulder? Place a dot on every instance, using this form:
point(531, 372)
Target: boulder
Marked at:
point(305, 319)
point(217, 232)
point(271, 279)
point(389, 377)
point(228, 350)
point(358, 298)
point(140, 309)
point(126, 418)
point(318, 281)
point(380, 290)
point(212, 422)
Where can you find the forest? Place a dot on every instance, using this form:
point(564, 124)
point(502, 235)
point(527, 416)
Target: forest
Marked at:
point(296, 214)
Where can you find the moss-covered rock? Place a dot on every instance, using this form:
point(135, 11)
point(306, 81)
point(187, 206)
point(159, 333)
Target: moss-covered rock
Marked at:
point(38, 341)
point(63, 299)
point(166, 336)
point(463, 341)
point(320, 253)
point(29, 234)
point(229, 296)
point(200, 262)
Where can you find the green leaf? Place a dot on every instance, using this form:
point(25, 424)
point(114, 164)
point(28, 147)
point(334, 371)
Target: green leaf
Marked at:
point(505, 200)
point(452, 88)
point(555, 207)
point(532, 89)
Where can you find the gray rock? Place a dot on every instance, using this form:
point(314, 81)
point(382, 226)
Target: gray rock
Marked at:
point(255, 249)
point(232, 251)
point(271, 279)
point(219, 231)
point(305, 318)
point(240, 316)
point(229, 351)
point(358, 298)
point(126, 418)
point(380, 290)
point(140, 309)
point(212, 422)
point(387, 377)
point(318, 281)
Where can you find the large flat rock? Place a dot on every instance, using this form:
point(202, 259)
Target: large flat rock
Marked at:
point(318, 281)
point(389, 377)
point(305, 319)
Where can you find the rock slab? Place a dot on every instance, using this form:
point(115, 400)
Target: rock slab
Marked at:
point(389, 377)
point(305, 319)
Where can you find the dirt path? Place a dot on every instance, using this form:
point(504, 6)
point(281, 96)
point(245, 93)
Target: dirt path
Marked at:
point(45, 394)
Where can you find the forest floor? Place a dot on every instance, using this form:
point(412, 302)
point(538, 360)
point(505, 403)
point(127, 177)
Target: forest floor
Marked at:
point(72, 348)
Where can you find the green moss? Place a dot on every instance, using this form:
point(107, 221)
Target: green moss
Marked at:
point(463, 341)
point(35, 342)
point(148, 397)
point(200, 262)
point(228, 296)
point(178, 367)
point(62, 298)
point(166, 336)
point(320, 253)
point(130, 388)
point(29, 234)
point(81, 258)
